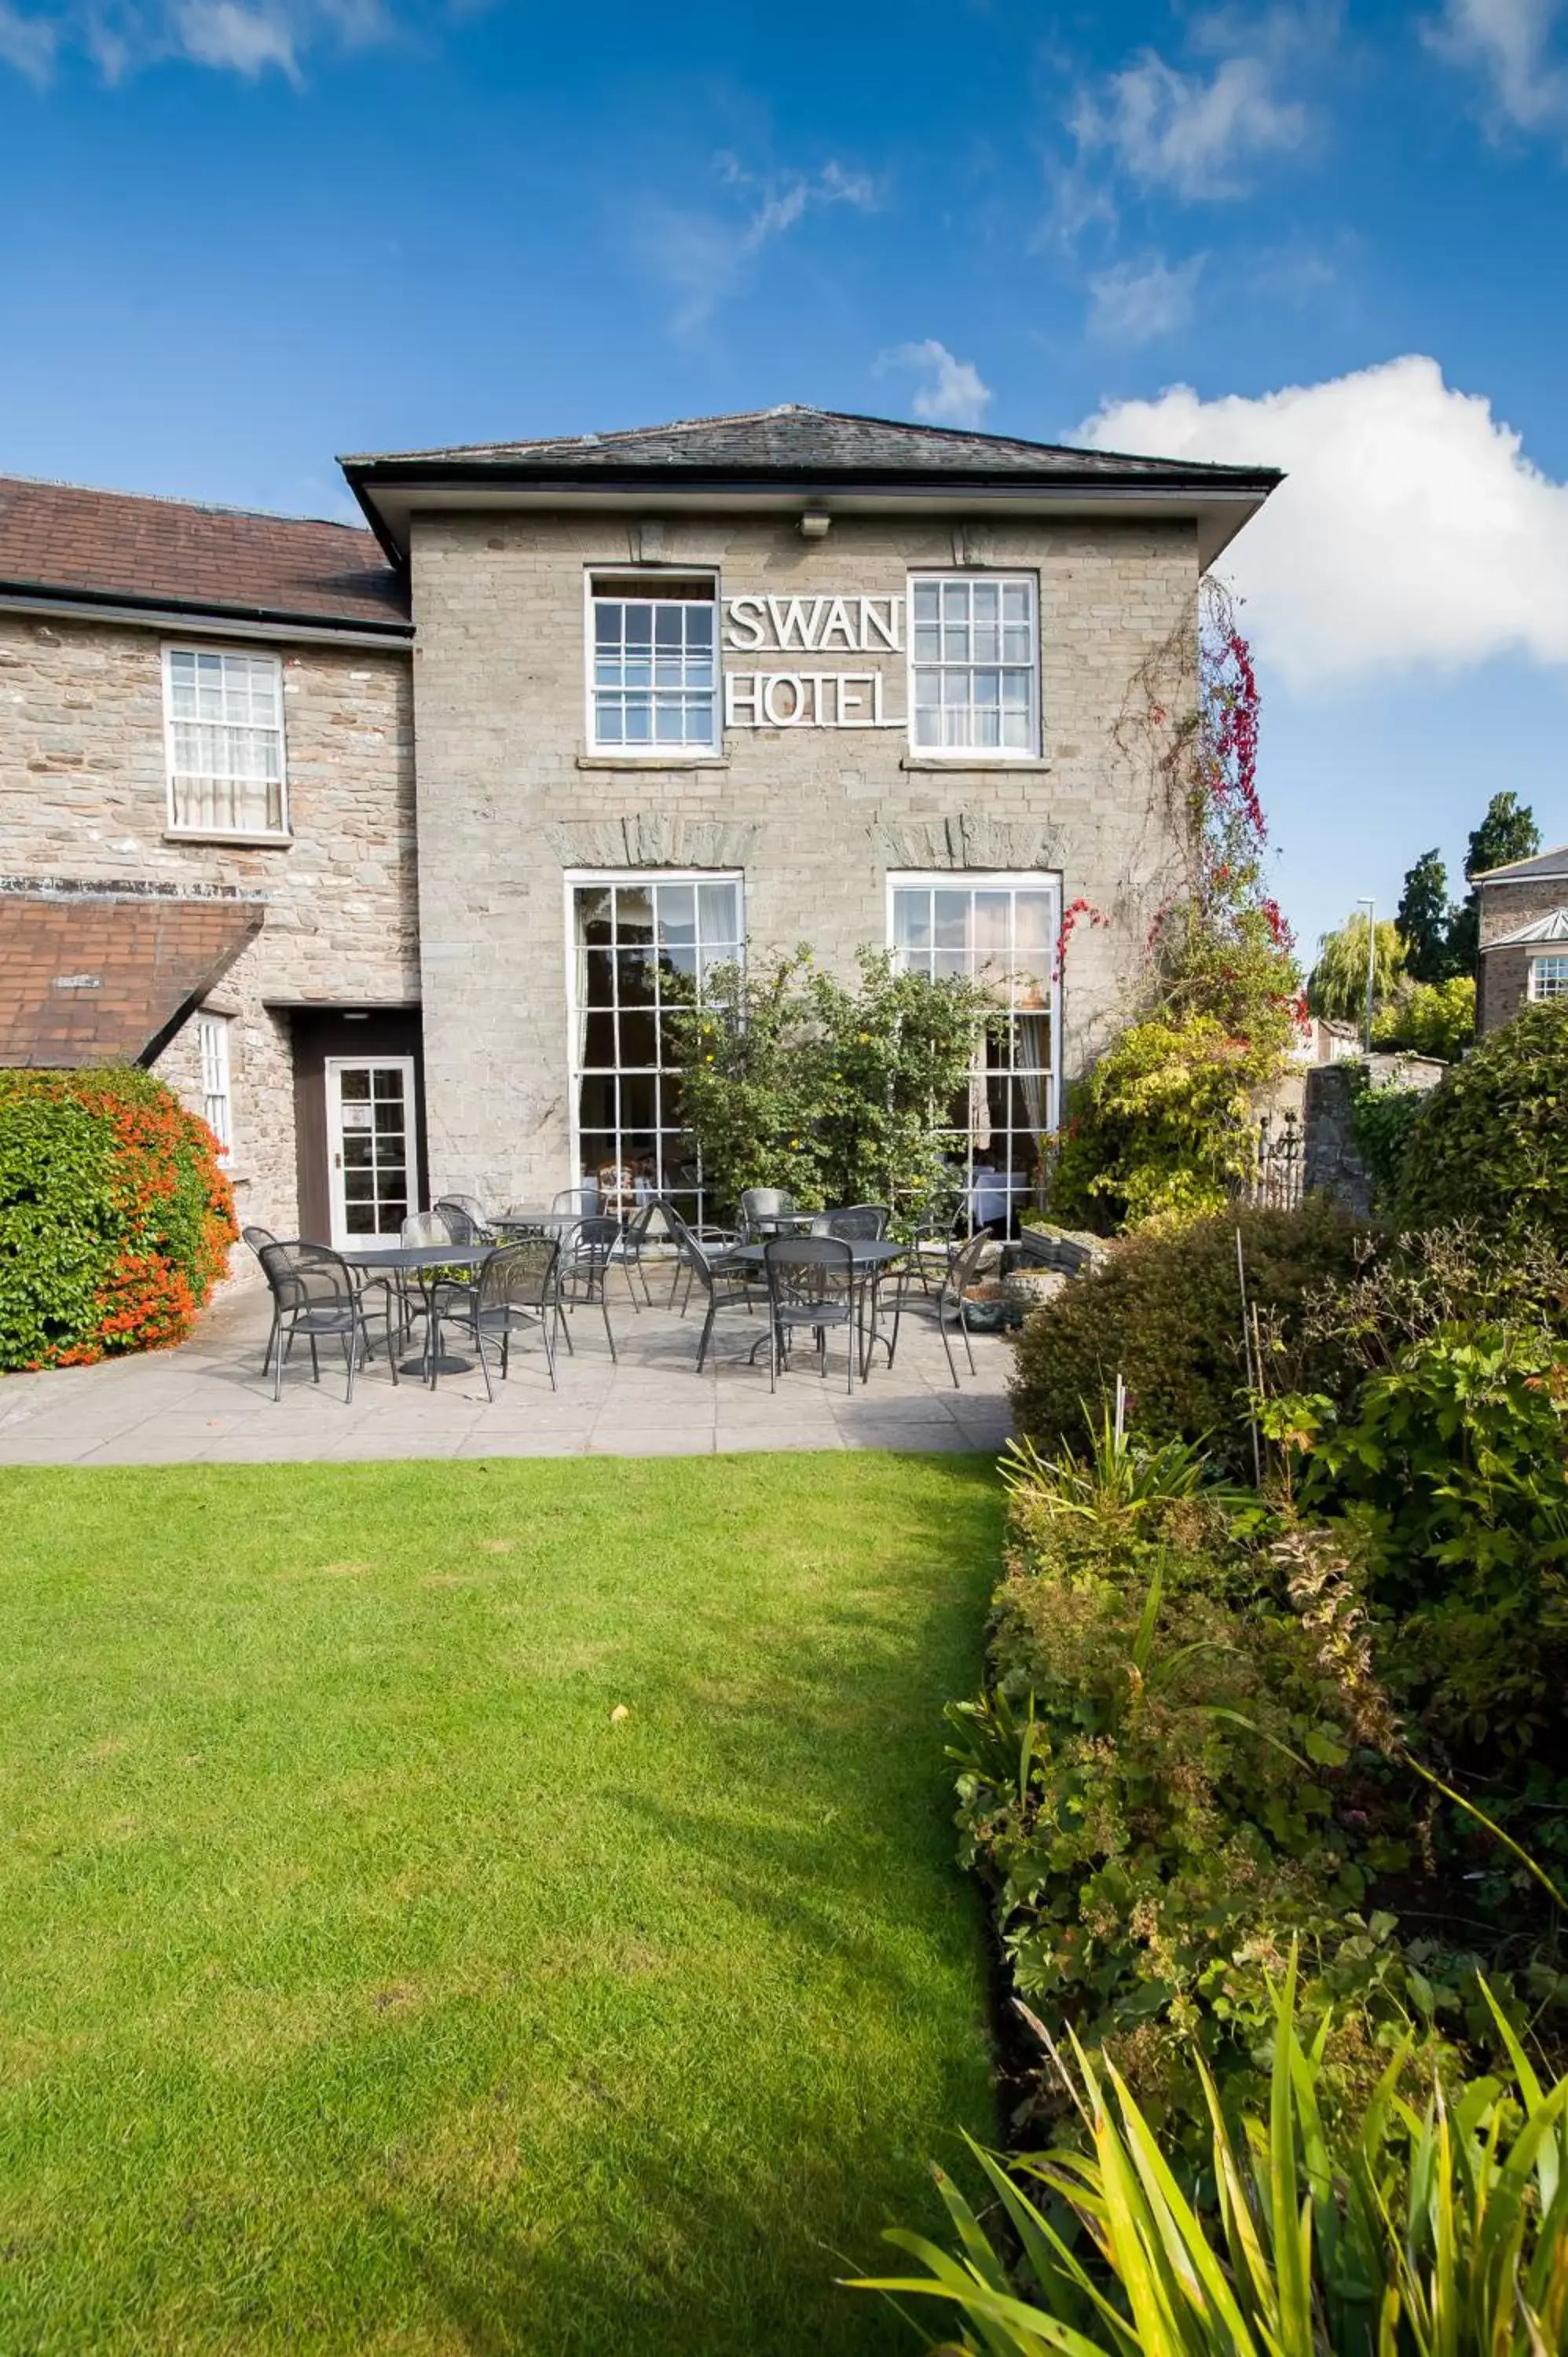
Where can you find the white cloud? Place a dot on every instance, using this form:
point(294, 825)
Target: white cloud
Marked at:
point(245, 37)
point(1191, 134)
point(1135, 301)
point(1509, 43)
point(705, 256)
point(951, 393)
point(27, 42)
point(1412, 531)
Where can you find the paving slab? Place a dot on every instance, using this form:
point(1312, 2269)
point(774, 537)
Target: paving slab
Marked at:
point(210, 1403)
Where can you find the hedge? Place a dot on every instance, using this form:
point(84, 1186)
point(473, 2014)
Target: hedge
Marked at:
point(115, 1220)
point(1492, 1143)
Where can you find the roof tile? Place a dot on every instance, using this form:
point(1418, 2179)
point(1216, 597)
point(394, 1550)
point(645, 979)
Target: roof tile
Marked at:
point(60, 537)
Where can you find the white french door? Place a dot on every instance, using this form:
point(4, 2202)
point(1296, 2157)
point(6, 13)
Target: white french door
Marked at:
point(372, 1163)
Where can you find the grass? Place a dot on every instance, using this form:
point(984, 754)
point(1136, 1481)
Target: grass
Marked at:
point(364, 1984)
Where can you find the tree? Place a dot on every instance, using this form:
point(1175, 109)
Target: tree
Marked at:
point(1508, 832)
point(1425, 919)
point(1337, 986)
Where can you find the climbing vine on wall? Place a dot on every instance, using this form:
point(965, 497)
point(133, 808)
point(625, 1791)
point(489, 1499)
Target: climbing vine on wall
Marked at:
point(1160, 1123)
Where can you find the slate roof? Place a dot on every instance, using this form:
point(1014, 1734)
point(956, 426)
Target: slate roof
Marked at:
point(112, 547)
point(795, 438)
point(96, 980)
point(1543, 868)
point(1553, 927)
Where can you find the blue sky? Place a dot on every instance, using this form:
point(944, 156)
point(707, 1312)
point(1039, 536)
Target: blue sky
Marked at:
point(245, 235)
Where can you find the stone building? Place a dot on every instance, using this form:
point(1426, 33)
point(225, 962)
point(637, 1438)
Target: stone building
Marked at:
point(385, 846)
point(1524, 936)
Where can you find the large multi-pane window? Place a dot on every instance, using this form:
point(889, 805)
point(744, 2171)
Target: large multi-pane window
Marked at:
point(1549, 977)
point(223, 716)
point(973, 664)
point(1001, 930)
point(653, 677)
point(637, 943)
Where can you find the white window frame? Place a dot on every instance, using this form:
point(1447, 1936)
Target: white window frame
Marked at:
point(578, 879)
point(975, 575)
point(979, 879)
point(1557, 961)
point(217, 1083)
point(641, 755)
point(197, 830)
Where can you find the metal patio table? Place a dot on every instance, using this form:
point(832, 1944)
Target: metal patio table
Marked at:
point(511, 1224)
point(869, 1255)
point(424, 1263)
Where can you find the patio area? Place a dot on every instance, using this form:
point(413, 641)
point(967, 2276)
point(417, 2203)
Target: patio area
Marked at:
point(208, 1403)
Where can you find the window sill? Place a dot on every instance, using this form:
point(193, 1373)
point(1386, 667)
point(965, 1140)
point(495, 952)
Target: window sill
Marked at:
point(653, 760)
point(1025, 761)
point(216, 835)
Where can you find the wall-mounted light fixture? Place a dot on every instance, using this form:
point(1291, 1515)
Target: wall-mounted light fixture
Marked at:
point(815, 525)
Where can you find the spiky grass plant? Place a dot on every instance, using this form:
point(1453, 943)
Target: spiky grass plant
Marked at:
point(1441, 2231)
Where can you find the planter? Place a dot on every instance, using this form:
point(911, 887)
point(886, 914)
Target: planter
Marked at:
point(986, 1309)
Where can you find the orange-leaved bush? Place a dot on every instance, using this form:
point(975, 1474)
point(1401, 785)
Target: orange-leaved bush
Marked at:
point(115, 1220)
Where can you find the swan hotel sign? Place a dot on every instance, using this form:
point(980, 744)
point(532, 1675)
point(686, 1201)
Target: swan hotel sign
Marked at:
point(803, 693)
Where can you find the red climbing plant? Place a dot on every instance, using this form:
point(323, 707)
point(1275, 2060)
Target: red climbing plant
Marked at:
point(1160, 1125)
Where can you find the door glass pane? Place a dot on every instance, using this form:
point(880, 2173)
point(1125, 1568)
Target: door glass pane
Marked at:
point(356, 1087)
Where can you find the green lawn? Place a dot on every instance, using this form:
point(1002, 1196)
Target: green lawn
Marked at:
point(364, 1986)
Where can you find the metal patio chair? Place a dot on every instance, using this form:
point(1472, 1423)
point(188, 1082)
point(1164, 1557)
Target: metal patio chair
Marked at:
point(648, 1233)
point(517, 1286)
point(762, 1209)
point(584, 1201)
point(466, 1219)
point(586, 1252)
point(723, 1284)
point(948, 1299)
point(258, 1238)
point(314, 1294)
point(856, 1223)
point(811, 1286)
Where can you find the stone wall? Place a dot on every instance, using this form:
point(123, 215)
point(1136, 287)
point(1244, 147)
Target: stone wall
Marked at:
point(510, 799)
point(83, 797)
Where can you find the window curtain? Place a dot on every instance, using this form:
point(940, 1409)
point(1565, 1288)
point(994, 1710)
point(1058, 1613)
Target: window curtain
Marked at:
point(1029, 1054)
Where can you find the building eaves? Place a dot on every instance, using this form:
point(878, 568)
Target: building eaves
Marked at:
point(1541, 867)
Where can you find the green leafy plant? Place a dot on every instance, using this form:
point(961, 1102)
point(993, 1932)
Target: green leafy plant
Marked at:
point(1163, 1310)
point(842, 1095)
point(1433, 2231)
point(1158, 1125)
point(1453, 1465)
point(1383, 1120)
point(1429, 1018)
point(1491, 1144)
point(115, 1222)
point(1153, 1782)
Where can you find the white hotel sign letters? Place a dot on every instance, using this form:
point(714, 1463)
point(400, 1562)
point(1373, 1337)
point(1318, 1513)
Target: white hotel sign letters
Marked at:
point(801, 698)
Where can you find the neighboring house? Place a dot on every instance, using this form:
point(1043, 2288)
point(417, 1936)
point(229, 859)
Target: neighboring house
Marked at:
point(384, 845)
point(1524, 936)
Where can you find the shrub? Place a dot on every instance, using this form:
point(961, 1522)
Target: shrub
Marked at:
point(1454, 1465)
point(1429, 1018)
point(115, 1220)
point(791, 1079)
point(1159, 1124)
point(1492, 1143)
point(1151, 1783)
point(1163, 1311)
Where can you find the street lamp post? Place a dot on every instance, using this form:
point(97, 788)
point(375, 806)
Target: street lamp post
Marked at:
point(1371, 907)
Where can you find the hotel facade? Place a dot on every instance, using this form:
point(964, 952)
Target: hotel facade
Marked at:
point(388, 845)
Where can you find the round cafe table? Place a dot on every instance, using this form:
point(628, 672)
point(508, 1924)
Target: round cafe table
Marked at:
point(424, 1263)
